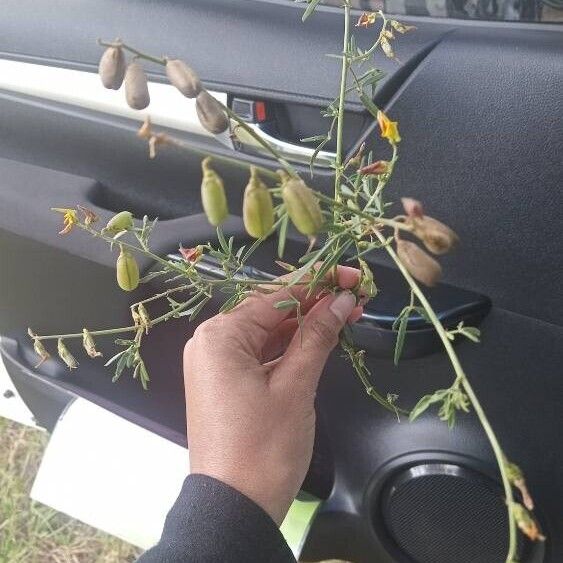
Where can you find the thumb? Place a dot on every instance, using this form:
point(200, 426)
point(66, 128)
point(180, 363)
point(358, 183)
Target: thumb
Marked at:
point(306, 355)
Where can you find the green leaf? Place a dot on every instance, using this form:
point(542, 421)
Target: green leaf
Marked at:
point(472, 333)
point(195, 311)
point(231, 303)
point(401, 335)
point(287, 304)
point(425, 402)
point(282, 235)
point(222, 240)
point(313, 139)
point(312, 6)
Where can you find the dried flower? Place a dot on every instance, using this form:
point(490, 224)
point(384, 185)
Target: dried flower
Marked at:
point(375, 168)
point(389, 129)
point(145, 131)
point(257, 209)
point(70, 218)
point(127, 270)
point(437, 237)
point(516, 477)
point(112, 68)
point(136, 86)
point(89, 216)
point(386, 48)
point(412, 207)
point(211, 114)
point(89, 344)
point(144, 318)
point(65, 355)
point(401, 27)
point(367, 287)
point(419, 264)
point(40, 350)
point(302, 206)
point(213, 196)
point(183, 78)
point(122, 221)
point(367, 19)
point(191, 254)
point(526, 523)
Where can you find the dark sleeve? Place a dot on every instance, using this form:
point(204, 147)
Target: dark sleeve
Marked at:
point(211, 522)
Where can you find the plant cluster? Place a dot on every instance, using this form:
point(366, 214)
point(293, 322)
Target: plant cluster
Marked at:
point(341, 228)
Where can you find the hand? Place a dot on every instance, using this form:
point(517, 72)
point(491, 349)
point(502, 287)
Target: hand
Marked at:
point(251, 380)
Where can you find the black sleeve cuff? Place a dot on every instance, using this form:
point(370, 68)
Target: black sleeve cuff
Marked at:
point(212, 522)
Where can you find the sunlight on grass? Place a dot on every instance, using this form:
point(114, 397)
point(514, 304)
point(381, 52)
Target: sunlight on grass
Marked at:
point(33, 533)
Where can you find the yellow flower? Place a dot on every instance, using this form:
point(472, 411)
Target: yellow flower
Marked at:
point(389, 129)
point(70, 218)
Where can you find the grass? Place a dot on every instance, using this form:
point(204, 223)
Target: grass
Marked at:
point(33, 533)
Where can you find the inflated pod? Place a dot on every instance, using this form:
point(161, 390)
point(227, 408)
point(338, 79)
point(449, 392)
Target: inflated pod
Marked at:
point(112, 68)
point(213, 196)
point(120, 222)
point(127, 271)
point(437, 237)
point(211, 114)
point(302, 206)
point(257, 207)
point(183, 78)
point(136, 86)
point(419, 264)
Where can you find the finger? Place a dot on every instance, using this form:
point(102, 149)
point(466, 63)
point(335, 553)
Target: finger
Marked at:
point(306, 355)
point(279, 339)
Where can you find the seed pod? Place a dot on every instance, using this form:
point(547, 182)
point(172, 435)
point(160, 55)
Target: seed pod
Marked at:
point(40, 350)
point(136, 87)
point(437, 237)
point(213, 196)
point(412, 207)
point(127, 271)
point(89, 344)
point(419, 264)
point(375, 168)
point(367, 285)
point(144, 318)
point(257, 207)
point(210, 113)
point(183, 78)
point(65, 355)
point(123, 221)
point(302, 206)
point(112, 68)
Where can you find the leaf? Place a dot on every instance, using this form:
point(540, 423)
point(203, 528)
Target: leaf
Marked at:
point(424, 403)
point(287, 304)
point(195, 311)
point(282, 235)
point(472, 333)
point(121, 365)
point(311, 7)
point(222, 240)
point(401, 335)
point(313, 139)
point(230, 303)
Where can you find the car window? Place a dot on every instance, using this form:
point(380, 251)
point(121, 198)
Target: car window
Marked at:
point(503, 10)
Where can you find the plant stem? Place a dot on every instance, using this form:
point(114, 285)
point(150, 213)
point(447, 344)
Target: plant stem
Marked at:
point(119, 43)
point(461, 376)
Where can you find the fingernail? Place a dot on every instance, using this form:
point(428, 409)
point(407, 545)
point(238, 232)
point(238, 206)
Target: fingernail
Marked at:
point(343, 305)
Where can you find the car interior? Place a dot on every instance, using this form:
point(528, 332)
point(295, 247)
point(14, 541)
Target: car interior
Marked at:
point(478, 91)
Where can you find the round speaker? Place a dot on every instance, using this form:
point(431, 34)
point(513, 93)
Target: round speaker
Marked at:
point(441, 513)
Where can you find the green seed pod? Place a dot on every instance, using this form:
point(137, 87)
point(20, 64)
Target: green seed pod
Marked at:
point(136, 86)
point(213, 195)
point(112, 68)
point(302, 206)
point(127, 271)
point(419, 264)
point(65, 355)
point(89, 344)
point(257, 207)
point(183, 78)
point(123, 221)
point(210, 113)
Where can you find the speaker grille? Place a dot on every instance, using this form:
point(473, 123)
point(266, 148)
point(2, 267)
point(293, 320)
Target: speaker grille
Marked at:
point(441, 513)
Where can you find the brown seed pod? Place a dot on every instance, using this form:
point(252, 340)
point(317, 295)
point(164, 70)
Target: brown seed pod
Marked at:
point(213, 196)
point(419, 264)
point(183, 78)
point(210, 113)
point(437, 237)
point(112, 68)
point(257, 207)
point(302, 206)
point(136, 86)
point(127, 271)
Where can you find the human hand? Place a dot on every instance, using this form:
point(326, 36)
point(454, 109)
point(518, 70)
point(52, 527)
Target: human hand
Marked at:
point(251, 380)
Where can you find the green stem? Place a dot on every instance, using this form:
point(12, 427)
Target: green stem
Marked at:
point(461, 376)
point(119, 43)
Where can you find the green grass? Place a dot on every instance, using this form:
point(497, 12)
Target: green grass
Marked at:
point(33, 533)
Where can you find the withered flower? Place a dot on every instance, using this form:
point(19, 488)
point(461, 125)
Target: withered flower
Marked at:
point(526, 523)
point(375, 168)
point(70, 218)
point(89, 344)
point(367, 19)
point(65, 355)
point(40, 350)
point(191, 254)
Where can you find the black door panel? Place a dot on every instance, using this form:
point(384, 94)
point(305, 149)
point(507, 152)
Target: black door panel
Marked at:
point(479, 106)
